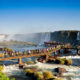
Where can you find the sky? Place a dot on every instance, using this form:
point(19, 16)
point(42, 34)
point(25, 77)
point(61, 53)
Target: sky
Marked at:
point(32, 16)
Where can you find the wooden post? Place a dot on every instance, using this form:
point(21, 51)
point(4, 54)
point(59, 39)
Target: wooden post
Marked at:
point(46, 57)
point(19, 61)
point(54, 52)
point(77, 51)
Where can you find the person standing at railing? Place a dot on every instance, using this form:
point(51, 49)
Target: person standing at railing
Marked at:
point(24, 52)
point(55, 52)
point(29, 51)
point(6, 54)
point(16, 53)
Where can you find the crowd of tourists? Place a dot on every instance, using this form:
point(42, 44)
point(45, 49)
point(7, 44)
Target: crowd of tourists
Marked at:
point(9, 53)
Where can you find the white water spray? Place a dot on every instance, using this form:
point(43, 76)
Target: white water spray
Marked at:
point(78, 36)
point(44, 37)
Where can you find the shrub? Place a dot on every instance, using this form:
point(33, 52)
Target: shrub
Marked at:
point(59, 61)
point(34, 75)
point(29, 72)
point(38, 76)
point(13, 79)
point(47, 75)
point(68, 61)
point(1, 68)
point(3, 77)
point(57, 79)
point(63, 61)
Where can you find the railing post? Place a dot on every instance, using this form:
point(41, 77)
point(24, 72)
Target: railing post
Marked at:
point(47, 57)
point(54, 52)
point(19, 61)
point(77, 51)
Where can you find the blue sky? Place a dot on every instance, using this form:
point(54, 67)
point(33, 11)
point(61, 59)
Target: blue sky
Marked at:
point(31, 16)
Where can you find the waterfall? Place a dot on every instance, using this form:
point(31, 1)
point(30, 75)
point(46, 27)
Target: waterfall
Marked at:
point(2, 37)
point(78, 36)
point(44, 38)
point(38, 38)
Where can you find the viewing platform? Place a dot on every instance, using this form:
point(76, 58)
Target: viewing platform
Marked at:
point(52, 43)
point(53, 47)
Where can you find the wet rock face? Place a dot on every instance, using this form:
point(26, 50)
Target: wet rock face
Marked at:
point(60, 70)
point(59, 75)
point(64, 36)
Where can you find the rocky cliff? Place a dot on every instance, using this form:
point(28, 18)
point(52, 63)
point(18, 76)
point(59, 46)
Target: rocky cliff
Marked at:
point(65, 36)
point(39, 38)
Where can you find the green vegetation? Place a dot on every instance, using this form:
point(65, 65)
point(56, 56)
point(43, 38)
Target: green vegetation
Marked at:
point(63, 61)
point(59, 61)
point(29, 72)
point(1, 68)
point(13, 79)
point(12, 42)
point(57, 79)
point(34, 75)
point(3, 77)
point(47, 75)
point(68, 61)
point(38, 76)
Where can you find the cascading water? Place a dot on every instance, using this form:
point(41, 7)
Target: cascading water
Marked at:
point(44, 37)
point(38, 38)
point(78, 36)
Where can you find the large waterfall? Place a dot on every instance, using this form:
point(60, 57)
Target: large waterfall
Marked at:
point(78, 36)
point(44, 37)
point(38, 38)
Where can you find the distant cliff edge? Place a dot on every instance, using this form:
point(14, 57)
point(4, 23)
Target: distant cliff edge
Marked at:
point(72, 37)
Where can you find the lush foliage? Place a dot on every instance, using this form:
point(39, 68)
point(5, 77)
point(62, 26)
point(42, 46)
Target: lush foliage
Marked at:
point(47, 75)
point(34, 75)
point(13, 79)
point(68, 61)
point(63, 61)
point(3, 77)
point(1, 67)
point(59, 61)
point(57, 79)
point(38, 76)
point(29, 72)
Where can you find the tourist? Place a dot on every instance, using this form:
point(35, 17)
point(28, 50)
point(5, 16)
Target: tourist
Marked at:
point(29, 51)
point(47, 49)
point(24, 52)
